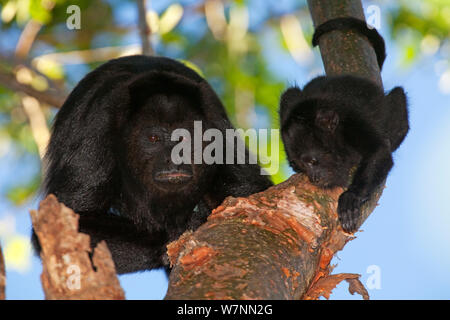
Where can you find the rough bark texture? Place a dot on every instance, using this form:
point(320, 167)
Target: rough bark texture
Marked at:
point(344, 51)
point(68, 272)
point(2, 276)
point(276, 244)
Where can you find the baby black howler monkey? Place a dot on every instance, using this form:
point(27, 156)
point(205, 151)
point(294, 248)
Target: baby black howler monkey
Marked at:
point(109, 158)
point(342, 126)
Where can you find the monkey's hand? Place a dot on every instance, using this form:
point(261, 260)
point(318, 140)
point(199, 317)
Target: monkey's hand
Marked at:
point(349, 210)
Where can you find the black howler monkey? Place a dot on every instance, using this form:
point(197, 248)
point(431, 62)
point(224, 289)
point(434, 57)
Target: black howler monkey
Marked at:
point(338, 124)
point(109, 158)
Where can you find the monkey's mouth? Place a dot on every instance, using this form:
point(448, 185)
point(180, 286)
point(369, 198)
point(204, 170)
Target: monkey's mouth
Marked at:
point(323, 182)
point(173, 176)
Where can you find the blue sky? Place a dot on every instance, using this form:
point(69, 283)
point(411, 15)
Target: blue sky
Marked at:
point(407, 237)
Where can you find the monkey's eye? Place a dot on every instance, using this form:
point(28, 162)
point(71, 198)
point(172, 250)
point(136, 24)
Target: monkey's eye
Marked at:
point(153, 138)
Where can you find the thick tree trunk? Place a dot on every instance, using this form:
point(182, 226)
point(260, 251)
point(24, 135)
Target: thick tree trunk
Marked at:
point(344, 51)
point(68, 272)
point(275, 244)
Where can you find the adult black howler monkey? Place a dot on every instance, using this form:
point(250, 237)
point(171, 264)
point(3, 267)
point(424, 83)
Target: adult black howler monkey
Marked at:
point(109, 158)
point(339, 125)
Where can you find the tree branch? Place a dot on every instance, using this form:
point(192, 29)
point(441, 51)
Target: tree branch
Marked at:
point(344, 51)
point(27, 38)
point(272, 245)
point(38, 123)
point(144, 28)
point(49, 97)
point(68, 272)
point(13, 62)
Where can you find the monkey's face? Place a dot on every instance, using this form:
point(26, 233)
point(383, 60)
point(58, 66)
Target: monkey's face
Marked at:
point(163, 162)
point(315, 148)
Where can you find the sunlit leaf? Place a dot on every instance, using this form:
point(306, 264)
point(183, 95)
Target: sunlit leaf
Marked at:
point(17, 253)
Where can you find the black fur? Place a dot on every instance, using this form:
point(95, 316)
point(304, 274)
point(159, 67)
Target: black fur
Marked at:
point(339, 124)
point(350, 23)
point(104, 161)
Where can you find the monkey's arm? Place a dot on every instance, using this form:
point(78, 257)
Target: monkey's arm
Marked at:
point(132, 249)
point(371, 172)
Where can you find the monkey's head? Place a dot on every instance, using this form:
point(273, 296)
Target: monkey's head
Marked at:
point(314, 140)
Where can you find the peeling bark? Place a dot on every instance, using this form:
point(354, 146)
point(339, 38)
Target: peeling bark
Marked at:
point(68, 272)
point(276, 244)
point(2, 276)
point(325, 285)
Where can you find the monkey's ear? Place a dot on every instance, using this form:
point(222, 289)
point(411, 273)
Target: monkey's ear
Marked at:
point(398, 124)
point(289, 98)
point(327, 120)
point(288, 101)
point(397, 97)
